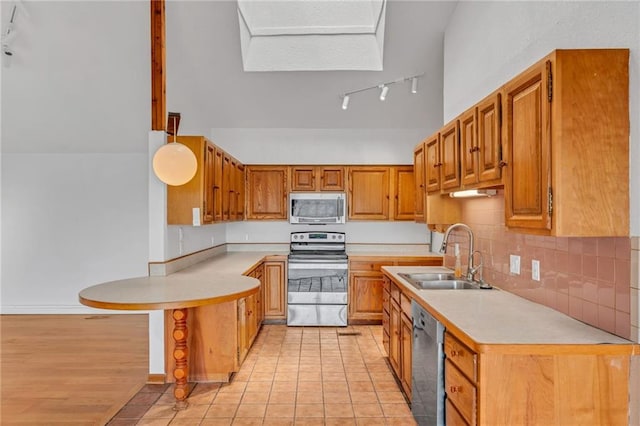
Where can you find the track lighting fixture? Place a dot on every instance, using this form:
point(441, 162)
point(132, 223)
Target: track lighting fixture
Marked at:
point(345, 102)
point(383, 92)
point(383, 87)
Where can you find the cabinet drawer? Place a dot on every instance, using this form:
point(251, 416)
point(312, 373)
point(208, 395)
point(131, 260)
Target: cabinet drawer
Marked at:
point(453, 416)
point(360, 265)
point(394, 291)
point(460, 391)
point(459, 354)
point(405, 305)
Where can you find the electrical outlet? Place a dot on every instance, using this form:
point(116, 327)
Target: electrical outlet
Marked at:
point(535, 270)
point(213, 240)
point(514, 264)
point(246, 237)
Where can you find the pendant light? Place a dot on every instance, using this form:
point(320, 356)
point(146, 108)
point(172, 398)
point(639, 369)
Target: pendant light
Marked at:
point(174, 163)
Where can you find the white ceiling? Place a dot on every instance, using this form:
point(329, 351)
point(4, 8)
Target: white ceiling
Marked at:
point(207, 84)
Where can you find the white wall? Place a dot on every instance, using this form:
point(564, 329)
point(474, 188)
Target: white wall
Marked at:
point(75, 121)
point(487, 43)
point(322, 146)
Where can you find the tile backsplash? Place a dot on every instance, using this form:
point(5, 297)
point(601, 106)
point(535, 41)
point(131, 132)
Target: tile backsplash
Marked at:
point(590, 279)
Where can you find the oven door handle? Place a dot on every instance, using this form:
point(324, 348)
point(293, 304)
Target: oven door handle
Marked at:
point(337, 266)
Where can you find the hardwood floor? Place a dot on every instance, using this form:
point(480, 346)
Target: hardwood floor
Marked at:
point(70, 369)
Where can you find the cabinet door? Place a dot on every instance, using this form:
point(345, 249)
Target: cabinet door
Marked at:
point(365, 296)
point(406, 336)
point(226, 186)
point(243, 342)
point(450, 155)
point(395, 323)
point(331, 178)
point(217, 185)
point(404, 198)
point(468, 148)
point(369, 193)
point(275, 294)
point(432, 163)
point(266, 192)
point(418, 175)
point(209, 171)
point(303, 178)
point(527, 183)
point(239, 191)
point(489, 144)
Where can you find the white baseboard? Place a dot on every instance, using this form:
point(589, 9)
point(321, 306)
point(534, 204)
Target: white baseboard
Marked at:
point(60, 310)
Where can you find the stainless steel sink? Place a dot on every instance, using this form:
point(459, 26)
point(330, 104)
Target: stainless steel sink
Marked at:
point(428, 276)
point(428, 281)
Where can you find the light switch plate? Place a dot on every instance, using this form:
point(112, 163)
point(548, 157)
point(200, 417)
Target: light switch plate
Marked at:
point(514, 264)
point(535, 270)
point(196, 216)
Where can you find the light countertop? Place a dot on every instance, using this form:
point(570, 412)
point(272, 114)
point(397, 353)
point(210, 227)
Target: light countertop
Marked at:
point(214, 280)
point(499, 317)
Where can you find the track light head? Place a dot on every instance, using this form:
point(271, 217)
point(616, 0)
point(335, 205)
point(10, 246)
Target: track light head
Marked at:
point(383, 92)
point(414, 85)
point(345, 102)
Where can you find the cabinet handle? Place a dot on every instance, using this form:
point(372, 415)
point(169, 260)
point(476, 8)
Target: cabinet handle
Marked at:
point(455, 389)
point(474, 149)
point(502, 164)
point(453, 353)
point(437, 165)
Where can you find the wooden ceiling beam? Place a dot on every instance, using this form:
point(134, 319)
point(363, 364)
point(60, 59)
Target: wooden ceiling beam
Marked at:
point(158, 66)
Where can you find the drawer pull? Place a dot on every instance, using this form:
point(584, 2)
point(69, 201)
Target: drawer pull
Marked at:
point(455, 389)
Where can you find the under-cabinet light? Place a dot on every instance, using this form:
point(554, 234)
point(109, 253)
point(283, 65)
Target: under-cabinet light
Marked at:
point(473, 193)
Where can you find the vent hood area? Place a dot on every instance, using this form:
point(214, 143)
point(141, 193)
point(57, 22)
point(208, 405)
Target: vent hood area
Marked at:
point(312, 35)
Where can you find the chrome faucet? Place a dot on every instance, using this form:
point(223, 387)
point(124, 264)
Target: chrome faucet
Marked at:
point(470, 269)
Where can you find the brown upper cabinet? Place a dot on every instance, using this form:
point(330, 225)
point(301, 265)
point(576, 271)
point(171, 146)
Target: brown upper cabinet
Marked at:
point(205, 190)
point(418, 175)
point(404, 190)
point(317, 178)
point(371, 188)
point(266, 192)
point(449, 157)
point(368, 193)
point(566, 139)
point(481, 144)
point(432, 163)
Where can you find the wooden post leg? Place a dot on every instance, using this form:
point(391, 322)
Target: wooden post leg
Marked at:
point(181, 355)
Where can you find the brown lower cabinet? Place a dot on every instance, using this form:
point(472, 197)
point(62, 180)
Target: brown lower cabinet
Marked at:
point(398, 332)
point(218, 351)
point(366, 298)
point(518, 384)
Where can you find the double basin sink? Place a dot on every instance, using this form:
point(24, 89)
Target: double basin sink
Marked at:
point(441, 281)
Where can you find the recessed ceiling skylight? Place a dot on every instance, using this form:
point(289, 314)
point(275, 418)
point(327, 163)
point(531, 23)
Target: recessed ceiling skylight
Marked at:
point(312, 35)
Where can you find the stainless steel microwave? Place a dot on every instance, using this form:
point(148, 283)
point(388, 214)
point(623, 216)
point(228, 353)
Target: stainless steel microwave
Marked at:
point(317, 207)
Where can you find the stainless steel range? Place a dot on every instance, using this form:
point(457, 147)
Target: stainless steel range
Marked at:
point(317, 279)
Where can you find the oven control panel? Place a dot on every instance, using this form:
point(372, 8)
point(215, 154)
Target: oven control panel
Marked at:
point(317, 237)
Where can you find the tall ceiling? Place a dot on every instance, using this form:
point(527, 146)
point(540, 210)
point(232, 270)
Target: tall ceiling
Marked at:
point(207, 84)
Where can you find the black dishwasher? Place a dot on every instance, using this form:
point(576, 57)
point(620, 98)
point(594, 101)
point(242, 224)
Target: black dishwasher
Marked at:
point(427, 378)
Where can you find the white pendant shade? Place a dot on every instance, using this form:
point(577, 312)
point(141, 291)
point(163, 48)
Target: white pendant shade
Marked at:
point(175, 164)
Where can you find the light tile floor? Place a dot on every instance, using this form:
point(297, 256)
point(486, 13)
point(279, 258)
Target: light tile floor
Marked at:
point(292, 376)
